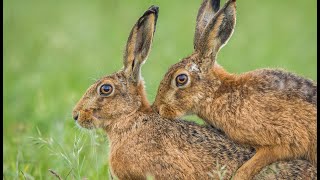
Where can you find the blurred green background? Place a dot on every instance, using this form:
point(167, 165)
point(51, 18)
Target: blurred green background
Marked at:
point(53, 51)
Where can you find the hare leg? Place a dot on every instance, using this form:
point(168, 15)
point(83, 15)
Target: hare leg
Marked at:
point(263, 157)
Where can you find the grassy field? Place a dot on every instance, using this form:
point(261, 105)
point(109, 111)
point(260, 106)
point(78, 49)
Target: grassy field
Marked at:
point(53, 51)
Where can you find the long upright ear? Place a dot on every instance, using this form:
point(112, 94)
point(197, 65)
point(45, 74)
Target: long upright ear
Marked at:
point(217, 33)
point(139, 43)
point(206, 12)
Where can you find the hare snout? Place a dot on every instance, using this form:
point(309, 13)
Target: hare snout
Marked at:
point(168, 111)
point(85, 118)
point(75, 115)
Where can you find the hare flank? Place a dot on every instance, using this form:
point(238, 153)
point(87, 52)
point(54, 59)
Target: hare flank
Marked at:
point(271, 110)
point(143, 143)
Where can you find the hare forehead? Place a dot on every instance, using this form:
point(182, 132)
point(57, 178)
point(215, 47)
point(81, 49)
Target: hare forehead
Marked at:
point(116, 79)
point(186, 64)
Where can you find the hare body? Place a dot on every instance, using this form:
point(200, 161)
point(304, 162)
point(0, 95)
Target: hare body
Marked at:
point(143, 143)
point(280, 125)
point(146, 144)
point(271, 110)
point(253, 111)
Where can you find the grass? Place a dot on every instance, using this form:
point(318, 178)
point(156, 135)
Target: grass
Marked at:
point(72, 157)
point(53, 51)
point(219, 171)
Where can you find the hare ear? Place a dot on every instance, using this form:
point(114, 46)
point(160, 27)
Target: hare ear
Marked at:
point(217, 33)
point(139, 43)
point(206, 12)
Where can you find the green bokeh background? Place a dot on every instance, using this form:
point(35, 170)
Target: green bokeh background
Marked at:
point(53, 51)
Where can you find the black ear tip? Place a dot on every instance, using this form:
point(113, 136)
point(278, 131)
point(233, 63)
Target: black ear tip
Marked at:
point(151, 10)
point(215, 5)
point(154, 9)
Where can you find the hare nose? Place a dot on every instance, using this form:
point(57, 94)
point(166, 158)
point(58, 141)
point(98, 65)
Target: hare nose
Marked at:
point(75, 116)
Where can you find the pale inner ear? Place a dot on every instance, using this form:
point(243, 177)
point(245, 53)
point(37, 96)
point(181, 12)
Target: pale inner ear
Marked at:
point(216, 34)
point(129, 56)
point(206, 12)
point(145, 40)
point(213, 42)
point(139, 45)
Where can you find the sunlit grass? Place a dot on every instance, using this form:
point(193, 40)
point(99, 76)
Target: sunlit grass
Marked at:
point(219, 170)
point(73, 157)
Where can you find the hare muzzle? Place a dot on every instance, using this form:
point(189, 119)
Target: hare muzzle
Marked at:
point(75, 115)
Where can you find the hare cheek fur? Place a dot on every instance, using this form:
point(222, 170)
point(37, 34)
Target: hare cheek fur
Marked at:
point(94, 110)
point(271, 110)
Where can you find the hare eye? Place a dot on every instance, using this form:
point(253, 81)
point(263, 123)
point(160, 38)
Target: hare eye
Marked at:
point(106, 89)
point(181, 79)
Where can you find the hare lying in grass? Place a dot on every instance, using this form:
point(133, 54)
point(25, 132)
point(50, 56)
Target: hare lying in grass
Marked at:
point(271, 110)
point(143, 143)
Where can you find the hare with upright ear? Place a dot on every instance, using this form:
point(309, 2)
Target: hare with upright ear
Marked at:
point(269, 109)
point(143, 143)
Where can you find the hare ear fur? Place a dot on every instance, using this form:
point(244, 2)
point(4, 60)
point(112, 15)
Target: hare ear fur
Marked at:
point(139, 43)
point(217, 33)
point(206, 12)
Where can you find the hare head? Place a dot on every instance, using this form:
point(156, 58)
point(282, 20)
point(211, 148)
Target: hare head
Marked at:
point(122, 93)
point(187, 82)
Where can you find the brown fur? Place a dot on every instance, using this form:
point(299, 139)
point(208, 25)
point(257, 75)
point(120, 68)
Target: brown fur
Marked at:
point(271, 110)
point(143, 143)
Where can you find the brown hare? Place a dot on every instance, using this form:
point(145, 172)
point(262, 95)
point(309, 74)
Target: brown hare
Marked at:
point(271, 110)
point(143, 143)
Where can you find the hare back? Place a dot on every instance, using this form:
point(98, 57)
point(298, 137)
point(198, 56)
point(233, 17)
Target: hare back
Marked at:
point(288, 84)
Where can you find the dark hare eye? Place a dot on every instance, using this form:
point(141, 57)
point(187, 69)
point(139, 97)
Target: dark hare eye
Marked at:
point(181, 80)
point(106, 89)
